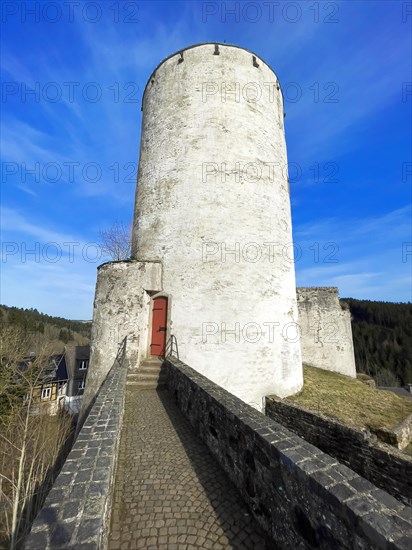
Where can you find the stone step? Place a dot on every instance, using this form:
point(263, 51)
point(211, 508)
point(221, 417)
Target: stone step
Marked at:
point(152, 360)
point(146, 384)
point(144, 370)
point(148, 375)
point(149, 368)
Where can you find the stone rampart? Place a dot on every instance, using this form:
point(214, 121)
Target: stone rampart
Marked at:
point(76, 512)
point(302, 497)
point(359, 449)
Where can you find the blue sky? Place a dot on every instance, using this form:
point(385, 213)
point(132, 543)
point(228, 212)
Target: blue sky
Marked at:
point(69, 151)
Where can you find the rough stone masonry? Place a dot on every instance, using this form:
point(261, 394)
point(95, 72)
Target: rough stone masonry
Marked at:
point(212, 223)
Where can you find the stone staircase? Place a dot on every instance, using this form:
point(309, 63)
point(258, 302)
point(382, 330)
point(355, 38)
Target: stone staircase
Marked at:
point(148, 376)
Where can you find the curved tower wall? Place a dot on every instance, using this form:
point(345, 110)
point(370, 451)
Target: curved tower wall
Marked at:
point(212, 204)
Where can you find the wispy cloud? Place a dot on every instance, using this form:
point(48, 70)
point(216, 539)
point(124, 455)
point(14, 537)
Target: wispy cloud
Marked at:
point(366, 53)
point(369, 258)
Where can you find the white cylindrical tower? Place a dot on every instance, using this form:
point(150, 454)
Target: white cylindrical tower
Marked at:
point(212, 204)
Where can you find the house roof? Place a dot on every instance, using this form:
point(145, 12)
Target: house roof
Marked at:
point(61, 367)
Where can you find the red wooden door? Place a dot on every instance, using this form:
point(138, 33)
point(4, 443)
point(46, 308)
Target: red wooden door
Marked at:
point(159, 324)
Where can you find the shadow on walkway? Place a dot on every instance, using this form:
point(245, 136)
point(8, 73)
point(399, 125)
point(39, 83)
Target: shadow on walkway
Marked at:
point(237, 523)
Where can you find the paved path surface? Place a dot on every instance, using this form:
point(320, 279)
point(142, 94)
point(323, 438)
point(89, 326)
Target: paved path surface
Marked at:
point(170, 493)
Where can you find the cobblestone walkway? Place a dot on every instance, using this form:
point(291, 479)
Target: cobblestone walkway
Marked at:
point(170, 493)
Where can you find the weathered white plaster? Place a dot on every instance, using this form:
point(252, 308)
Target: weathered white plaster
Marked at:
point(212, 178)
point(121, 308)
point(326, 332)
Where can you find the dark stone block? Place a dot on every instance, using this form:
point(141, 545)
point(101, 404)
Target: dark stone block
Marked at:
point(92, 452)
point(296, 455)
point(86, 463)
point(98, 488)
point(47, 516)
point(83, 476)
point(103, 462)
point(106, 443)
point(36, 540)
point(70, 467)
point(77, 452)
point(286, 444)
point(360, 484)
point(95, 506)
point(100, 429)
point(387, 500)
point(78, 491)
point(101, 474)
point(320, 478)
point(344, 472)
point(313, 465)
point(71, 509)
point(342, 492)
point(62, 534)
point(89, 529)
point(361, 505)
point(63, 479)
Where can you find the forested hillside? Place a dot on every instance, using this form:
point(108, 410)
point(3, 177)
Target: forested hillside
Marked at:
point(55, 330)
point(382, 336)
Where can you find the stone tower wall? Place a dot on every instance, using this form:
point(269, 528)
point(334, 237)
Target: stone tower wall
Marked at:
point(213, 205)
point(121, 309)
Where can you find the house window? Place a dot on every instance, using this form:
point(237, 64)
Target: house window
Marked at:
point(82, 384)
point(83, 365)
point(46, 393)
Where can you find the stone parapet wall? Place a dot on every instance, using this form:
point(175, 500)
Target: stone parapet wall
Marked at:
point(302, 497)
point(76, 512)
point(384, 466)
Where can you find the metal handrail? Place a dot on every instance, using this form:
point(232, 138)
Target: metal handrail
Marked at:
point(121, 351)
point(172, 349)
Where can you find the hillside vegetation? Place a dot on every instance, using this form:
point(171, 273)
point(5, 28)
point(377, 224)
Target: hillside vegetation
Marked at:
point(350, 400)
point(56, 331)
point(382, 337)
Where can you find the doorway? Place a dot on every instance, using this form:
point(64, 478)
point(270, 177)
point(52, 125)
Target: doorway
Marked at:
point(159, 326)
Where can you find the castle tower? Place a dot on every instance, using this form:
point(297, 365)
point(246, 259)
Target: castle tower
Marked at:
point(213, 209)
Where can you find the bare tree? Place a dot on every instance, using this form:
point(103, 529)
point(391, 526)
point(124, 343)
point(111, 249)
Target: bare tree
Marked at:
point(115, 242)
point(30, 439)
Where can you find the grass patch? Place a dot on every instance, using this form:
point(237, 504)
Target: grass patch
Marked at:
point(350, 401)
